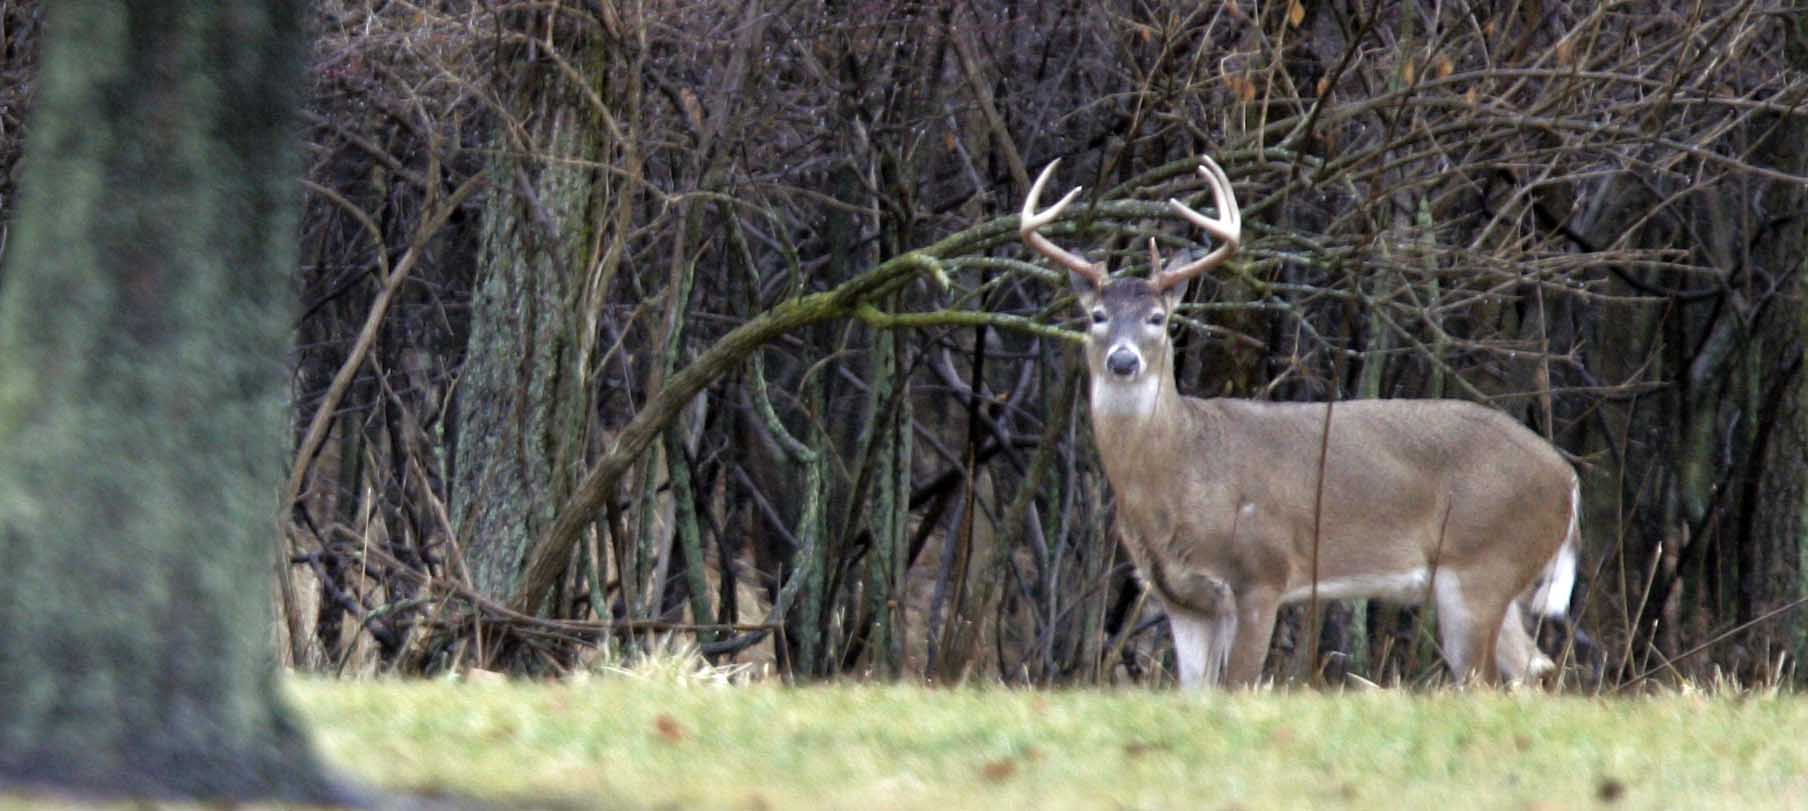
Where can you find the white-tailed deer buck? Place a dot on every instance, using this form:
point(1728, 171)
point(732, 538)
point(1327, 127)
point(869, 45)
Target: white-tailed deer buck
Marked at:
point(1220, 501)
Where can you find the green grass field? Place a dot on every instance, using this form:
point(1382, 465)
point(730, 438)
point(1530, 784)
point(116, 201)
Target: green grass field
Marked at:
point(624, 742)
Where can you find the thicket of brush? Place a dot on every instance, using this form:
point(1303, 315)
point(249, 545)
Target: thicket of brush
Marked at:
point(625, 319)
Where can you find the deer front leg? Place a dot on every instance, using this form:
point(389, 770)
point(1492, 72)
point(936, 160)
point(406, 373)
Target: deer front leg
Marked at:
point(1201, 615)
point(1255, 627)
point(1201, 645)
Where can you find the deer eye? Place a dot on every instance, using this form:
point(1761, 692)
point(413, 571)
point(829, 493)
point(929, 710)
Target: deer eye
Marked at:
point(1158, 319)
point(1098, 316)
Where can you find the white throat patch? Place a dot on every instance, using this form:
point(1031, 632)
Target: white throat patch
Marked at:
point(1111, 398)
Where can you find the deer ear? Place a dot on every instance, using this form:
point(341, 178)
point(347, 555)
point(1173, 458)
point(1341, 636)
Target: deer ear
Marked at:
point(1169, 282)
point(1084, 286)
point(1172, 292)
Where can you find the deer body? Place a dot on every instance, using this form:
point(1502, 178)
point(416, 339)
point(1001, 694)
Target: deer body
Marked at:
point(1225, 512)
point(1424, 500)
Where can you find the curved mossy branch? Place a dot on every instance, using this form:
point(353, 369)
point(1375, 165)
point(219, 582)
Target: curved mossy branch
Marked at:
point(880, 319)
point(549, 558)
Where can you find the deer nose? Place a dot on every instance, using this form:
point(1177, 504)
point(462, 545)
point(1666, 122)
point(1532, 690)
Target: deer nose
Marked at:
point(1122, 362)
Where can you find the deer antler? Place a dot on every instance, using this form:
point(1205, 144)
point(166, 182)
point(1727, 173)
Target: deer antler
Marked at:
point(1227, 228)
point(1031, 220)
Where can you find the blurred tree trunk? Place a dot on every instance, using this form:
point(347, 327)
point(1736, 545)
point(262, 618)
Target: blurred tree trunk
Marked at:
point(1776, 474)
point(522, 403)
point(142, 332)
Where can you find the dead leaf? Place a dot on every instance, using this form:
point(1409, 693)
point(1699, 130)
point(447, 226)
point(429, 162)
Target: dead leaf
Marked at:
point(1296, 13)
point(1140, 748)
point(999, 771)
point(1246, 91)
point(668, 728)
point(1445, 66)
point(693, 109)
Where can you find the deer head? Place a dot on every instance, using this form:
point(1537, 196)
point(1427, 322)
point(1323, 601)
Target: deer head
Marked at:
point(1127, 345)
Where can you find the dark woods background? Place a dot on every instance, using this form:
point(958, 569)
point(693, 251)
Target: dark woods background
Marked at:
point(534, 227)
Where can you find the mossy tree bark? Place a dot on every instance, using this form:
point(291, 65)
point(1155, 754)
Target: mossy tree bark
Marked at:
point(142, 336)
point(522, 400)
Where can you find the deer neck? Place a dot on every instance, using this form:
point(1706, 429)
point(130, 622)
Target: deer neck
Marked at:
point(1137, 423)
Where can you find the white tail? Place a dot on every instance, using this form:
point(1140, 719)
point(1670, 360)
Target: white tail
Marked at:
point(1554, 590)
point(1219, 501)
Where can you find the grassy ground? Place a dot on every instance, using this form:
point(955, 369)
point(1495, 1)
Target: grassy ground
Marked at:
point(639, 743)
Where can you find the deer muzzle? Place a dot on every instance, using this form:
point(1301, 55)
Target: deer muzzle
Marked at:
point(1123, 362)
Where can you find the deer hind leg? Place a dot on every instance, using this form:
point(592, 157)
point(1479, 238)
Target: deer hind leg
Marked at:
point(1469, 623)
point(1517, 654)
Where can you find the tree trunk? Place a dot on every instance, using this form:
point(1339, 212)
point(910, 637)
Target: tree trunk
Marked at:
point(522, 401)
point(1776, 482)
point(142, 332)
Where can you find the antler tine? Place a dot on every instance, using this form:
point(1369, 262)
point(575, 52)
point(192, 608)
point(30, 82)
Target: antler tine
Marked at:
point(1030, 220)
point(1227, 228)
